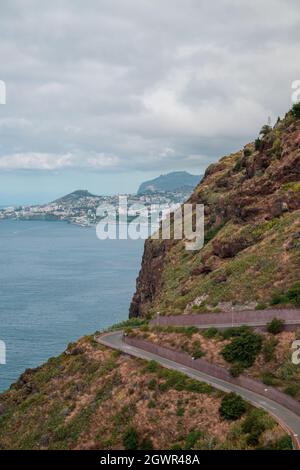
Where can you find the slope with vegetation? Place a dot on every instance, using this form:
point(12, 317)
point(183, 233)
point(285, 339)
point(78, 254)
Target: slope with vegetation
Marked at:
point(264, 356)
point(93, 398)
point(252, 234)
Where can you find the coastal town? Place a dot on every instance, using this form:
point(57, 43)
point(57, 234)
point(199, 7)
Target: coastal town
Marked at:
point(82, 207)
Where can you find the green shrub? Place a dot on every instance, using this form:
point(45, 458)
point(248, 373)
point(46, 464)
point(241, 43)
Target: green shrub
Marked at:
point(243, 348)
point(212, 232)
point(296, 110)
point(210, 332)
point(269, 347)
point(131, 323)
point(291, 296)
point(235, 331)
point(196, 351)
point(146, 444)
point(238, 166)
point(261, 306)
point(131, 439)
point(247, 152)
point(152, 366)
point(190, 331)
point(198, 387)
point(254, 425)
point(257, 144)
point(284, 443)
point(232, 407)
point(192, 439)
point(275, 326)
point(265, 130)
point(236, 370)
point(253, 439)
point(152, 384)
point(180, 411)
point(268, 378)
point(292, 390)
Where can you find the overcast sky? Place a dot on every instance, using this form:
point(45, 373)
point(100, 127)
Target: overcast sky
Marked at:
point(102, 94)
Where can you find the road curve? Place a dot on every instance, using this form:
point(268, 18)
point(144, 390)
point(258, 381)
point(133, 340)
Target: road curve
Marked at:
point(288, 420)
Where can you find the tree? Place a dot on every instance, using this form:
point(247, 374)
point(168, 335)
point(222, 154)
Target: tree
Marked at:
point(296, 110)
point(257, 144)
point(265, 130)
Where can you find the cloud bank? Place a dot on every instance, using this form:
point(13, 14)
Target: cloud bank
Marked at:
point(116, 85)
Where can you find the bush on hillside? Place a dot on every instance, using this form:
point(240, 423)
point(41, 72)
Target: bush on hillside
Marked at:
point(255, 424)
point(236, 331)
point(269, 349)
point(243, 349)
point(211, 332)
point(131, 439)
point(291, 296)
point(296, 110)
point(247, 152)
point(265, 130)
point(232, 407)
point(257, 144)
point(275, 326)
point(236, 370)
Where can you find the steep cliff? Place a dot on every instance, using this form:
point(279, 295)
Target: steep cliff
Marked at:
point(252, 233)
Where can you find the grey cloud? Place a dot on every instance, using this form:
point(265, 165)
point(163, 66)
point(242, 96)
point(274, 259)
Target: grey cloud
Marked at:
point(130, 79)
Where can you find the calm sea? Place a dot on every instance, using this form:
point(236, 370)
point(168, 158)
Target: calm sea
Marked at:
point(57, 283)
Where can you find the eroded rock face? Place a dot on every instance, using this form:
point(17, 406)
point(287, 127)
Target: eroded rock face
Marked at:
point(149, 279)
point(230, 248)
point(242, 189)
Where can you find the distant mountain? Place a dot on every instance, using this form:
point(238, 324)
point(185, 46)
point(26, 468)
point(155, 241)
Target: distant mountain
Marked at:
point(74, 196)
point(170, 182)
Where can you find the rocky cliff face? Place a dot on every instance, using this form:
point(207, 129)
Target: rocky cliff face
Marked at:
point(252, 232)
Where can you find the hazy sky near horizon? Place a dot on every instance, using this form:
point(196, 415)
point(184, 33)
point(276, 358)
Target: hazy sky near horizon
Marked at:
point(103, 94)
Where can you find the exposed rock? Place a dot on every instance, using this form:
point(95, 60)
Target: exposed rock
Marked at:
point(228, 249)
point(221, 278)
point(74, 351)
point(149, 280)
point(204, 269)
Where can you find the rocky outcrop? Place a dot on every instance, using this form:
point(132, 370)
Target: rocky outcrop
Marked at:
point(149, 279)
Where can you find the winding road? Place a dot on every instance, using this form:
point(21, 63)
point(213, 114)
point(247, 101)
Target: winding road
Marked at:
point(286, 418)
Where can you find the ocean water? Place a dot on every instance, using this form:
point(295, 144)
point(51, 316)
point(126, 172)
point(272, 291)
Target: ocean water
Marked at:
point(59, 282)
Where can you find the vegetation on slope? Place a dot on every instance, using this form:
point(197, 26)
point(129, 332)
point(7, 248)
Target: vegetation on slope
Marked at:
point(263, 356)
point(252, 234)
point(93, 398)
